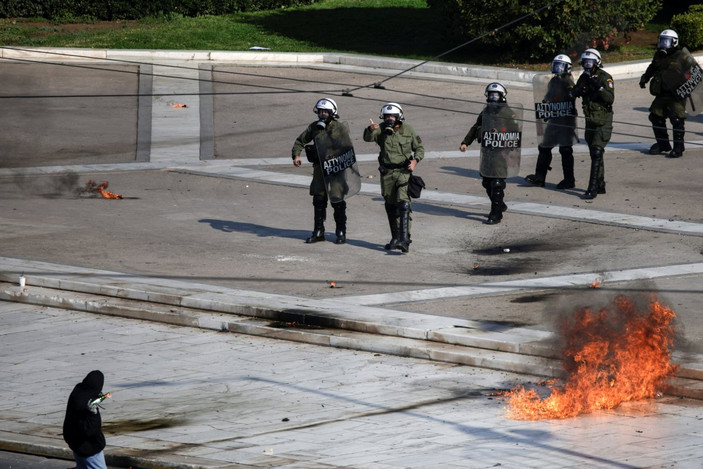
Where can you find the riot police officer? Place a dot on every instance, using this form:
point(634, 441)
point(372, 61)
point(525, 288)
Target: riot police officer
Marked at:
point(561, 125)
point(401, 149)
point(668, 66)
point(493, 166)
point(327, 115)
point(596, 88)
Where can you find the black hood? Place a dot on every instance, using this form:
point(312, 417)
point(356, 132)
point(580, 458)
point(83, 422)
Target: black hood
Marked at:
point(93, 382)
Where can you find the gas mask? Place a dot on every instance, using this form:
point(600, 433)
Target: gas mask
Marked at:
point(389, 122)
point(493, 97)
point(589, 66)
point(665, 43)
point(324, 117)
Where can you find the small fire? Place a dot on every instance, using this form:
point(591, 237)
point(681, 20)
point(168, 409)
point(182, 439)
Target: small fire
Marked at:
point(614, 355)
point(91, 186)
point(597, 283)
point(332, 284)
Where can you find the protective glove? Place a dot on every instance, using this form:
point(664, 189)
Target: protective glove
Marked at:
point(643, 82)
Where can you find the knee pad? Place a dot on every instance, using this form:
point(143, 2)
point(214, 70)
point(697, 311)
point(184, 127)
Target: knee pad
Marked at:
point(404, 206)
point(677, 123)
point(319, 201)
point(656, 120)
point(596, 152)
point(566, 151)
point(339, 205)
point(498, 184)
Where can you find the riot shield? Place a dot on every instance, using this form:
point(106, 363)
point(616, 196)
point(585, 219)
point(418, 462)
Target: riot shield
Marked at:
point(684, 79)
point(692, 90)
point(555, 112)
point(338, 162)
point(501, 140)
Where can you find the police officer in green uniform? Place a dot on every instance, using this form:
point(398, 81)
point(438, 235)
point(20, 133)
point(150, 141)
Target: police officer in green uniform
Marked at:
point(326, 110)
point(560, 130)
point(495, 185)
point(596, 88)
point(669, 63)
point(400, 150)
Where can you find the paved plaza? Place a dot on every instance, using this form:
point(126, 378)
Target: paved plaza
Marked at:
point(222, 336)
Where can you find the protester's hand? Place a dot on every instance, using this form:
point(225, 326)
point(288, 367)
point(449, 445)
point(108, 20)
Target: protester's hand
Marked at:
point(296, 161)
point(373, 126)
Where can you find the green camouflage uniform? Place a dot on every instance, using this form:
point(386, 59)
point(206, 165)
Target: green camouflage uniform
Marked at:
point(665, 72)
point(597, 91)
point(396, 151)
point(318, 189)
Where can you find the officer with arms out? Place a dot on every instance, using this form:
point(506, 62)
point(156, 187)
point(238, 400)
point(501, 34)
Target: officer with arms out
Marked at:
point(596, 88)
point(666, 72)
point(400, 150)
point(559, 104)
point(326, 111)
point(501, 155)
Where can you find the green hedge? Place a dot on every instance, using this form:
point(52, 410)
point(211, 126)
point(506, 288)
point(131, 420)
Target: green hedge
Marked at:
point(689, 27)
point(569, 26)
point(134, 9)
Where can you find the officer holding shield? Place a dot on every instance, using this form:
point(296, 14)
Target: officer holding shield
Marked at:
point(400, 150)
point(326, 111)
point(557, 108)
point(666, 72)
point(498, 130)
point(596, 88)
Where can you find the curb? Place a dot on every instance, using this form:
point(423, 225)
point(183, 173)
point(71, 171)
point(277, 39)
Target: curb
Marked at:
point(359, 63)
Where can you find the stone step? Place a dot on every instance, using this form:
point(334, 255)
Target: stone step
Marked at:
point(535, 358)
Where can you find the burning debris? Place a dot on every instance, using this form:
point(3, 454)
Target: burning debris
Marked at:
point(597, 283)
point(91, 187)
point(617, 354)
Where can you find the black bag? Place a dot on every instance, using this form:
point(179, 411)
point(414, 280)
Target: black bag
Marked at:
point(311, 153)
point(415, 186)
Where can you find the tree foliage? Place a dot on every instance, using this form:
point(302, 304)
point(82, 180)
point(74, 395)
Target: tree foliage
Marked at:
point(689, 27)
point(558, 26)
point(134, 9)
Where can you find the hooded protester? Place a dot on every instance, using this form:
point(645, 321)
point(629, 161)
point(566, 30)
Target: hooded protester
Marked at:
point(82, 426)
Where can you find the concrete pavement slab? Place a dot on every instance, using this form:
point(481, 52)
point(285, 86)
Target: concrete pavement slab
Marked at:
point(184, 397)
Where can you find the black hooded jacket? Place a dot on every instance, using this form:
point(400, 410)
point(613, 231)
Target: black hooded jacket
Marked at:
point(82, 427)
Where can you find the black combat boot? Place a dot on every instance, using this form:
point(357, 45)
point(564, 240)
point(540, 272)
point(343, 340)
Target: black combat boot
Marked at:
point(340, 220)
point(662, 144)
point(404, 226)
point(320, 205)
point(544, 159)
point(567, 166)
point(596, 183)
point(392, 213)
point(497, 204)
point(679, 132)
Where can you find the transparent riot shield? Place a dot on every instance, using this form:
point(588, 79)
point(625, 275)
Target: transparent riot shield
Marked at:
point(683, 79)
point(501, 140)
point(338, 162)
point(555, 112)
point(692, 90)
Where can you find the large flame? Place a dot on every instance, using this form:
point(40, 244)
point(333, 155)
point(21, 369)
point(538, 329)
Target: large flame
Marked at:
point(614, 355)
